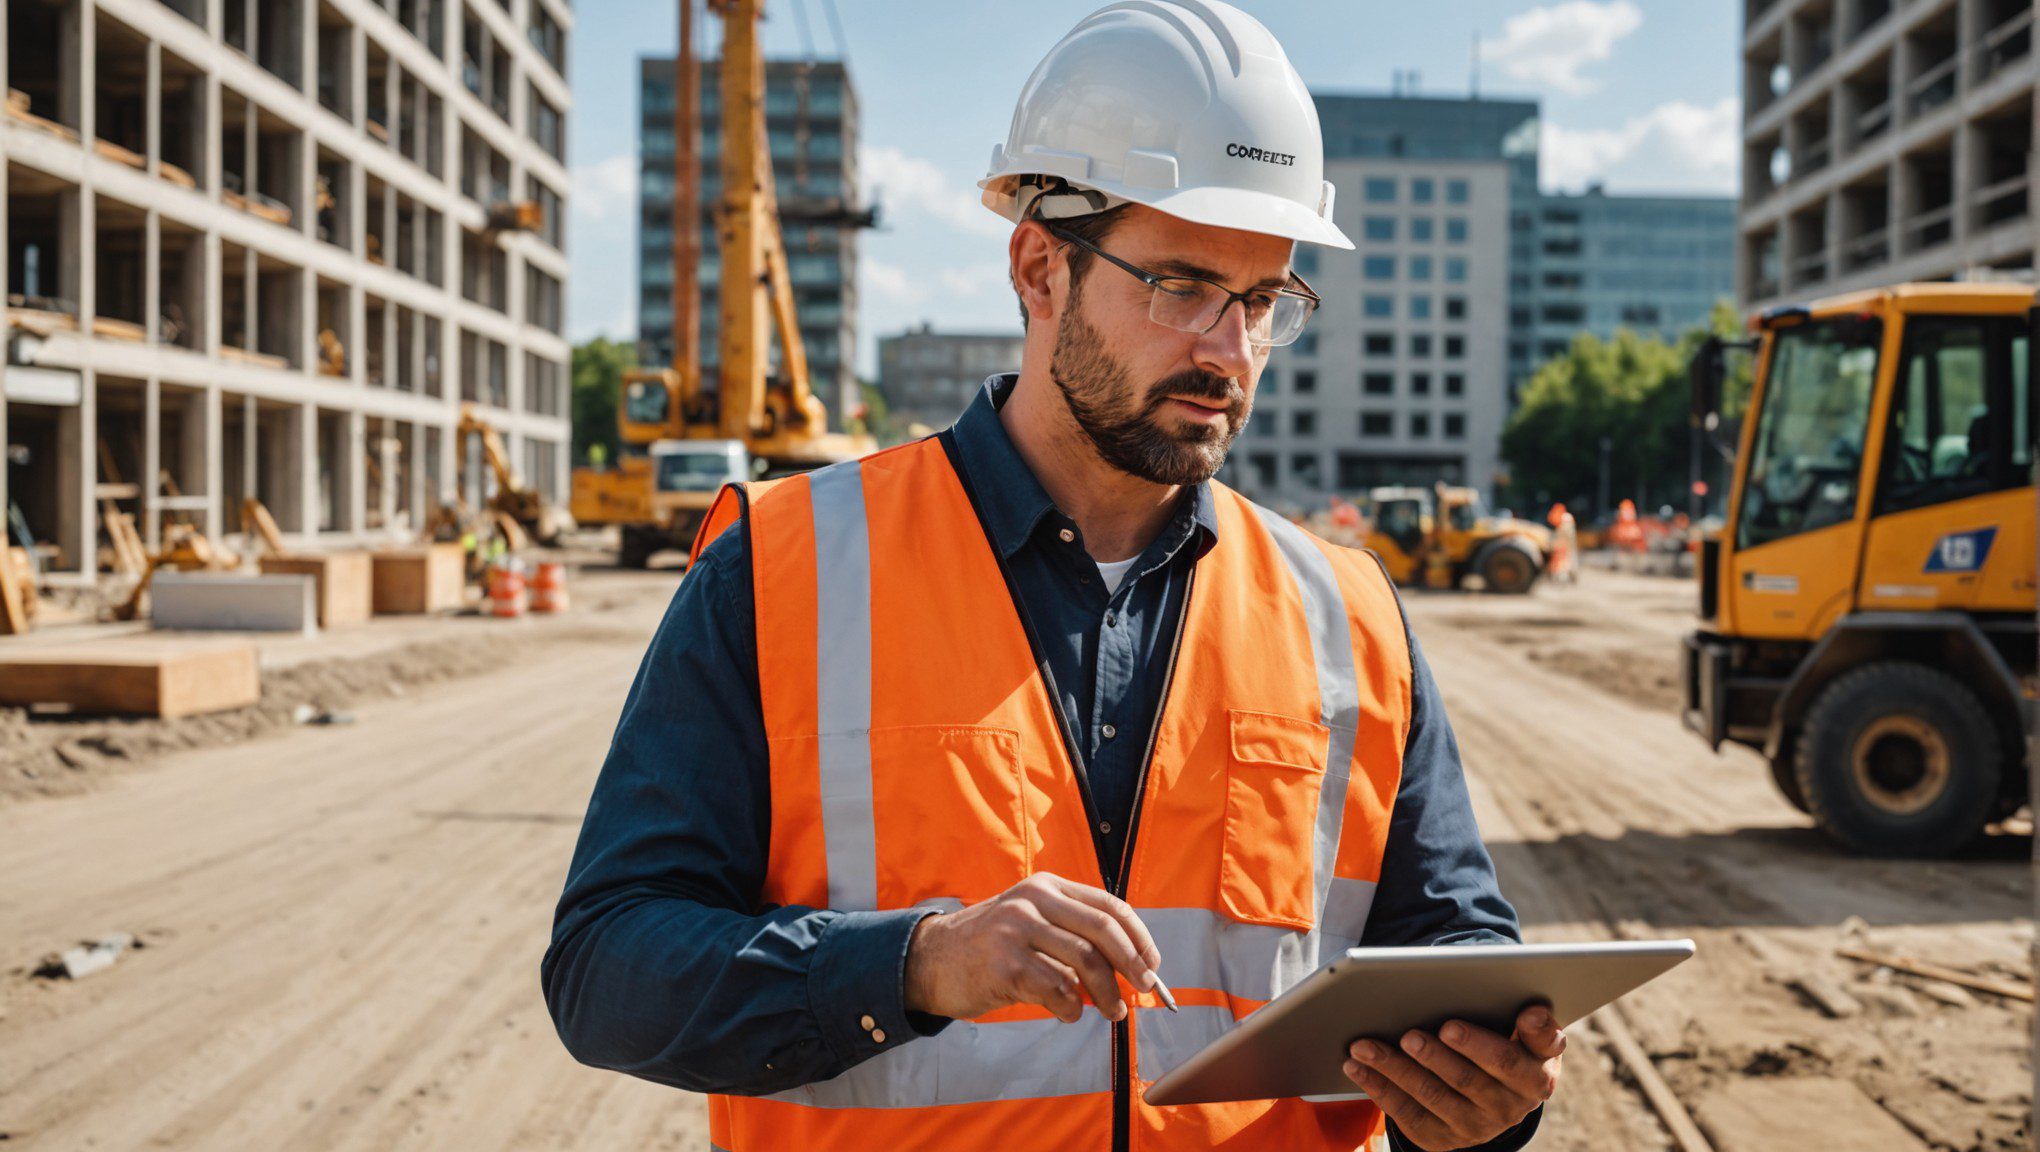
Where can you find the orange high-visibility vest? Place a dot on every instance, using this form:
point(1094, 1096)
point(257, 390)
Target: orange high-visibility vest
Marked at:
point(917, 758)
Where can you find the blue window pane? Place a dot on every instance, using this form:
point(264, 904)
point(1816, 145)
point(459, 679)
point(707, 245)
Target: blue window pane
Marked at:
point(1421, 228)
point(1455, 270)
point(1380, 190)
point(1456, 192)
point(1421, 191)
point(1378, 306)
point(1379, 227)
point(1304, 261)
point(1420, 267)
point(1378, 268)
point(1420, 307)
point(1455, 230)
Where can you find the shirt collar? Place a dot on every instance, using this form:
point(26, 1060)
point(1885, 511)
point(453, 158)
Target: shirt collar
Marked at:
point(1013, 502)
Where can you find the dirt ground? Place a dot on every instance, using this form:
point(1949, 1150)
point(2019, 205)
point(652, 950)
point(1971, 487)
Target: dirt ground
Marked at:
point(342, 924)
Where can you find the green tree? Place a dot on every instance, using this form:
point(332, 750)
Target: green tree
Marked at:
point(599, 365)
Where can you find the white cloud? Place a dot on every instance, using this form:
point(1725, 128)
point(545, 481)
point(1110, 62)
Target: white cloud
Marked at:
point(972, 281)
point(1673, 147)
point(1550, 45)
point(605, 186)
point(915, 191)
point(892, 281)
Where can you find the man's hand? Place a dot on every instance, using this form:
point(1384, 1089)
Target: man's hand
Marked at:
point(1464, 1086)
point(1034, 943)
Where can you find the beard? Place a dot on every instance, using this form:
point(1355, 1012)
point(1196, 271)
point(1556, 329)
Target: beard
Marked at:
point(1126, 424)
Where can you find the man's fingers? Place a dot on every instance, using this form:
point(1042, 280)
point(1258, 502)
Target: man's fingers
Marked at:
point(1492, 1095)
point(1506, 1060)
point(1538, 1031)
point(1422, 1085)
point(1104, 933)
point(1087, 960)
point(1416, 1121)
point(1051, 984)
point(1145, 956)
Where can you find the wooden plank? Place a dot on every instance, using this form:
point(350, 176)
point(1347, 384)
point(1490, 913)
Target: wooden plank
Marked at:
point(256, 521)
point(2010, 990)
point(13, 599)
point(143, 676)
point(1754, 1115)
point(345, 583)
point(408, 581)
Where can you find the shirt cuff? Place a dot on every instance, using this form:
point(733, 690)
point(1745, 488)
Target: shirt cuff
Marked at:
point(1513, 1140)
point(857, 984)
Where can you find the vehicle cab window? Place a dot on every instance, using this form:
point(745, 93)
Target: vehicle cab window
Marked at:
point(1958, 425)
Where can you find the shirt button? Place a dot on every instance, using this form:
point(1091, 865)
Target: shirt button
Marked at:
point(867, 1023)
point(1067, 535)
point(1105, 826)
point(1111, 619)
point(1110, 731)
point(878, 1035)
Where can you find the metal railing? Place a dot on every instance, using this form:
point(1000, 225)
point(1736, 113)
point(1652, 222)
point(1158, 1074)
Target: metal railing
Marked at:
point(2005, 44)
point(1930, 228)
point(1933, 87)
point(1867, 249)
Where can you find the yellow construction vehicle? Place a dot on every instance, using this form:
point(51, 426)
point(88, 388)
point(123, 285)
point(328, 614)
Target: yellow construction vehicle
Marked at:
point(1437, 537)
point(675, 429)
point(513, 497)
point(1867, 608)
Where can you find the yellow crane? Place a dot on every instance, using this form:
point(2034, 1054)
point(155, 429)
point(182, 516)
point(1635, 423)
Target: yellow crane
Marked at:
point(683, 439)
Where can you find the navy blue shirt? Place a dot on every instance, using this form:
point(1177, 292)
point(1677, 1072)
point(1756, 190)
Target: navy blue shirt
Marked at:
point(666, 964)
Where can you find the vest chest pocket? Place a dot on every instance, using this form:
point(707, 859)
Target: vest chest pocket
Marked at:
point(1274, 772)
point(948, 803)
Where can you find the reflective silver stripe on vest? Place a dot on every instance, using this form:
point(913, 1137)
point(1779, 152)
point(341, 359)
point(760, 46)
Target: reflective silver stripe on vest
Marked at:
point(1167, 1039)
point(1205, 949)
point(1331, 643)
point(969, 1063)
point(843, 684)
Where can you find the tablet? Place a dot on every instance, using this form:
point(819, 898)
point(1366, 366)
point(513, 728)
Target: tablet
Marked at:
point(1296, 1044)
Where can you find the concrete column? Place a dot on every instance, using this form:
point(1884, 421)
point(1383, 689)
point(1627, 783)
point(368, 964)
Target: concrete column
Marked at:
point(308, 322)
point(308, 47)
point(305, 470)
point(151, 480)
point(353, 482)
point(152, 117)
point(212, 457)
point(1966, 164)
point(152, 276)
point(251, 443)
point(77, 41)
point(1835, 233)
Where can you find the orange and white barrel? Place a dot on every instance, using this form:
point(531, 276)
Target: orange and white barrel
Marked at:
point(549, 587)
point(506, 589)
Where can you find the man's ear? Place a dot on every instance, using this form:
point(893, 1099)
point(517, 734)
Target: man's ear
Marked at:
point(1040, 275)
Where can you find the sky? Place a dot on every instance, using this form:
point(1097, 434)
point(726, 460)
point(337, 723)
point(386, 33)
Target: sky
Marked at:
point(1640, 95)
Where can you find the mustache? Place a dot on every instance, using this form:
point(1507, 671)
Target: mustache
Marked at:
point(1197, 385)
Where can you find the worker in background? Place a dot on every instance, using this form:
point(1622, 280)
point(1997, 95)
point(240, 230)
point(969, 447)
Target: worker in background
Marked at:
point(941, 758)
point(1565, 545)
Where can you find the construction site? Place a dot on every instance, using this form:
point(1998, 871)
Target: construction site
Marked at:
point(313, 638)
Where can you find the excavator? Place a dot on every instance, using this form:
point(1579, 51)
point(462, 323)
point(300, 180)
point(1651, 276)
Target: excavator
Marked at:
point(1438, 537)
point(683, 439)
point(1867, 609)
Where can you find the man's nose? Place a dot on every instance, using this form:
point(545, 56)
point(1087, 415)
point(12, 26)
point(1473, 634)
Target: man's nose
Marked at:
point(1224, 351)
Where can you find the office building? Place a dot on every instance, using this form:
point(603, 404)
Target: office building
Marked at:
point(1884, 142)
point(811, 126)
point(929, 377)
point(268, 250)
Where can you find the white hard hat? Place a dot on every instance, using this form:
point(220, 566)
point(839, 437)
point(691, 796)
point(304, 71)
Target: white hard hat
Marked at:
point(1187, 106)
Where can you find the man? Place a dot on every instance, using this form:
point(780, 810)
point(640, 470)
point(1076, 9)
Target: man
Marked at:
point(942, 758)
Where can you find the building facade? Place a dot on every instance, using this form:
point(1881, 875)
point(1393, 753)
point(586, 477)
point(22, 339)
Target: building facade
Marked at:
point(929, 377)
point(268, 249)
point(1655, 265)
point(811, 126)
point(1884, 142)
point(1400, 378)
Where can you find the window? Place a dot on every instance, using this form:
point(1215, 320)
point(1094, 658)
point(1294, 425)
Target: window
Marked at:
point(1378, 268)
point(1380, 190)
point(1304, 261)
point(1420, 307)
point(1378, 344)
point(1455, 347)
point(1303, 467)
point(1262, 422)
point(1455, 426)
point(1377, 307)
point(1422, 228)
point(1455, 270)
point(1306, 344)
point(1420, 268)
point(1455, 384)
point(1303, 423)
point(1807, 447)
point(1455, 307)
point(1457, 192)
point(1420, 383)
point(1378, 227)
point(1306, 383)
point(1262, 465)
point(1420, 425)
point(1565, 313)
point(1422, 190)
point(1420, 346)
point(1455, 230)
point(1377, 425)
point(1959, 419)
point(1377, 384)
point(1269, 383)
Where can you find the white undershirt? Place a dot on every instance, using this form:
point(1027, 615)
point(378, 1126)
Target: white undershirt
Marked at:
point(1114, 572)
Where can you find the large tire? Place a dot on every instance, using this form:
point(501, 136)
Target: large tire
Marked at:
point(1897, 759)
point(635, 548)
point(1786, 777)
point(1508, 569)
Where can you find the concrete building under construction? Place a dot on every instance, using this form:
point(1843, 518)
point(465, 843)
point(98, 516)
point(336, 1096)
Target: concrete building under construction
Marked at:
point(268, 248)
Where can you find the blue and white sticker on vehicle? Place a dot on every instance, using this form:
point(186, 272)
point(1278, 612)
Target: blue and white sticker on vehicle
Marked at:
point(1961, 551)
